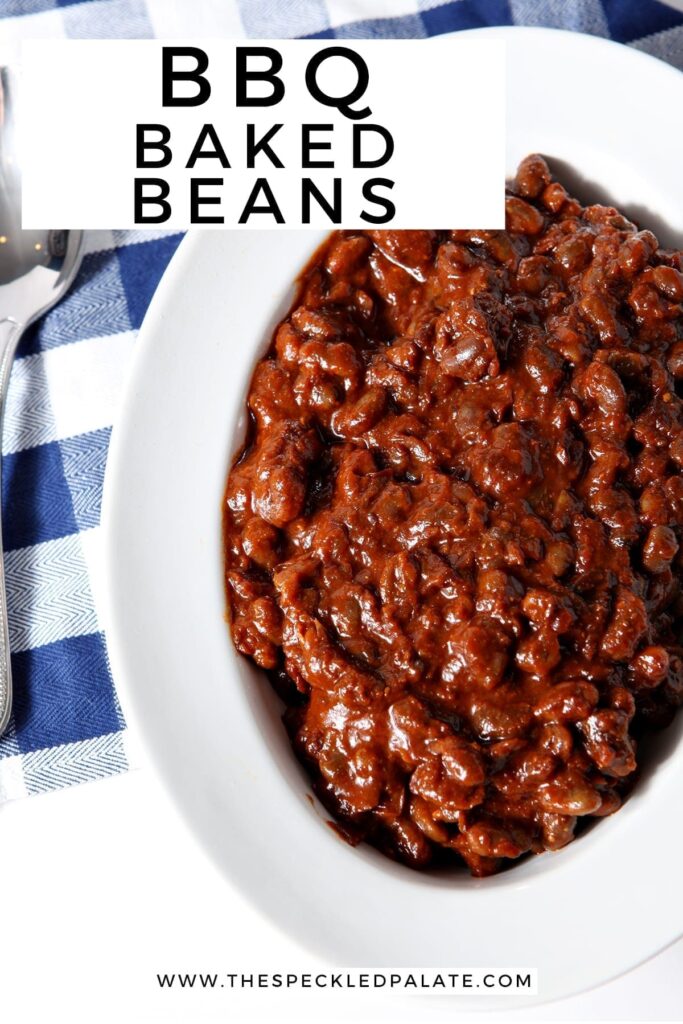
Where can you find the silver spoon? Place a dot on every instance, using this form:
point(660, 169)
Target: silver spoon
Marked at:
point(36, 269)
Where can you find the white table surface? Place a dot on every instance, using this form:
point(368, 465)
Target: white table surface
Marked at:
point(104, 887)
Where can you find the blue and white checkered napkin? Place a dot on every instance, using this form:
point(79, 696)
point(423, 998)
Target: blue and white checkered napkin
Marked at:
point(66, 385)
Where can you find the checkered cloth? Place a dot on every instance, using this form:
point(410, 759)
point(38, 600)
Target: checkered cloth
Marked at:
point(66, 384)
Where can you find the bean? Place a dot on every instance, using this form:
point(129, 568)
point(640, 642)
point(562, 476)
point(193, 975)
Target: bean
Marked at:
point(650, 665)
point(602, 387)
point(659, 549)
point(532, 176)
point(355, 419)
point(411, 845)
point(554, 197)
point(347, 255)
point(669, 282)
point(557, 739)
point(422, 816)
point(569, 701)
point(600, 315)
point(675, 360)
point(574, 253)
point(570, 794)
point(521, 217)
point(539, 652)
point(261, 541)
point(558, 829)
point(493, 722)
point(489, 840)
point(626, 627)
point(606, 739)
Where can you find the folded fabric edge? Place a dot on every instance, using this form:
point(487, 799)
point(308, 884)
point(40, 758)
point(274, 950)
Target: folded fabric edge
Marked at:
point(69, 764)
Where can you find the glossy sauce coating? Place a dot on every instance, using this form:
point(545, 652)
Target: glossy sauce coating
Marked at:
point(452, 538)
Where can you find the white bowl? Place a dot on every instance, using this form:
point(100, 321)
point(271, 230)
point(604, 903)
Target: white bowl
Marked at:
point(580, 916)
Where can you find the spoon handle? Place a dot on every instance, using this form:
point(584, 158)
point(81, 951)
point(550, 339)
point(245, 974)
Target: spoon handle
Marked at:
point(10, 332)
